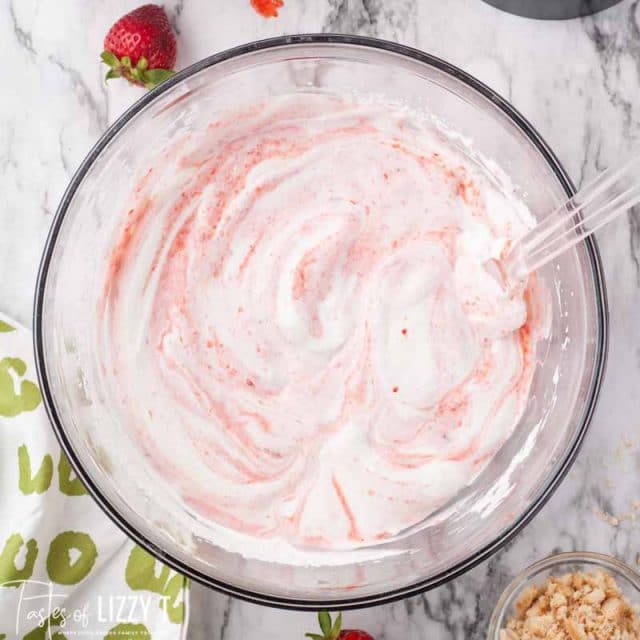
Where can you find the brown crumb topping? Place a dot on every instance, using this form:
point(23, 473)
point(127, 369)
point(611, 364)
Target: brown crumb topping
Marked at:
point(575, 606)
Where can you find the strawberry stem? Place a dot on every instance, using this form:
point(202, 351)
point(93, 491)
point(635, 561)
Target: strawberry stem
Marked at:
point(109, 59)
point(324, 620)
point(329, 631)
point(337, 625)
point(140, 74)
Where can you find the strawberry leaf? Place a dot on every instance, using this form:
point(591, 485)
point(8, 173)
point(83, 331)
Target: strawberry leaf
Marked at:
point(111, 74)
point(153, 77)
point(337, 625)
point(324, 619)
point(126, 61)
point(110, 59)
point(5, 328)
point(143, 64)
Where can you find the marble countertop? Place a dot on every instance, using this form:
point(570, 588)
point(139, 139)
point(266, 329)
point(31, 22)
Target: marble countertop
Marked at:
point(577, 81)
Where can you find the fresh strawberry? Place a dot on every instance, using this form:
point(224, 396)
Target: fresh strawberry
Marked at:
point(141, 47)
point(354, 634)
point(333, 632)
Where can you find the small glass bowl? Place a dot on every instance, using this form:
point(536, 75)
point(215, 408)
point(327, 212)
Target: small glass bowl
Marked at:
point(627, 578)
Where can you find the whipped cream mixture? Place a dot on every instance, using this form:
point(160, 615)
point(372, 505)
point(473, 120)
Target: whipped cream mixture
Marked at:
point(305, 325)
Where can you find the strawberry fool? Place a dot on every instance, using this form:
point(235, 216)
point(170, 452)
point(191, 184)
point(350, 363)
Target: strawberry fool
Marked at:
point(303, 323)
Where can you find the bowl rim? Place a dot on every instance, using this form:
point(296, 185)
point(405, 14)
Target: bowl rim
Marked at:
point(179, 565)
point(601, 560)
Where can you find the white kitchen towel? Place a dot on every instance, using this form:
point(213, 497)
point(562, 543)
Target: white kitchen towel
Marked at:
point(66, 571)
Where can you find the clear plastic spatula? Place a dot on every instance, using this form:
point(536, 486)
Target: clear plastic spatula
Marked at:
point(613, 192)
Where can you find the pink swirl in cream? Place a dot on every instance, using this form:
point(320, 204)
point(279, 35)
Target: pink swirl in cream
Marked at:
point(302, 323)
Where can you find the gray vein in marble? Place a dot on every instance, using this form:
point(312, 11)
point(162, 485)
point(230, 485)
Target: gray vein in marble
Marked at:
point(581, 507)
point(105, 99)
point(226, 615)
point(6, 157)
point(84, 93)
point(633, 220)
point(599, 500)
point(446, 610)
point(175, 14)
point(612, 41)
point(508, 75)
point(44, 207)
point(341, 17)
point(586, 156)
point(367, 17)
point(63, 156)
point(22, 36)
point(634, 215)
point(206, 626)
point(400, 17)
point(505, 72)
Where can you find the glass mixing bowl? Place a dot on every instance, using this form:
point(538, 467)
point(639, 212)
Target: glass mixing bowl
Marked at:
point(481, 518)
